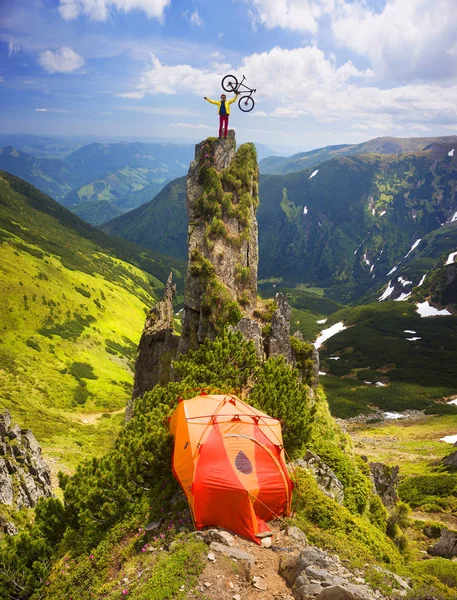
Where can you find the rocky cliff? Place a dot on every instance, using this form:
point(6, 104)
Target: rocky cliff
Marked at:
point(221, 285)
point(222, 198)
point(24, 476)
point(157, 348)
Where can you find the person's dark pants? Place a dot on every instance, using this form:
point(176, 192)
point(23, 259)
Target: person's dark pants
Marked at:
point(223, 123)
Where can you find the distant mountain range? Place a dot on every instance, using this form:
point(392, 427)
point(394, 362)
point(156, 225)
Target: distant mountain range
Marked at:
point(277, 165)
point(342, 225)
point(97, 181)
point(101, 181)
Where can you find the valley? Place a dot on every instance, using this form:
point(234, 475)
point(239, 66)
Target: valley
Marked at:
point(73, 310)
point(77, 298)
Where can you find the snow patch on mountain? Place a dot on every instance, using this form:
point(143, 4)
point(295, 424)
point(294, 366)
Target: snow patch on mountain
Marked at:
point(451, 258)
point(402, 297)
point(314, 173)
point(413, 247)
point(328, 333)
point(389, 289)
point(404, 281)
point(392, 270)
point(425, 310)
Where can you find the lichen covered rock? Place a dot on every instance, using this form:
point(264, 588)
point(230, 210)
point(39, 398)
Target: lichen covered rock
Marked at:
point(157, 348)
point(24, 476)
point(222, 198)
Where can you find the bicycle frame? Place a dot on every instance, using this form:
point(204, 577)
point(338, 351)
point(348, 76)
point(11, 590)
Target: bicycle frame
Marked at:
point(240, 85)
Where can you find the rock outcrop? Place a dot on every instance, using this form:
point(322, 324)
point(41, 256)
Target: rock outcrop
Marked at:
point(157, 348)
point(278, 342)
point(385, 481)
point(222, 198)
point(446, 546)
point(221, 284)
point(315, 574)
point(326, 479)
point(24, 476)
point(450, 460)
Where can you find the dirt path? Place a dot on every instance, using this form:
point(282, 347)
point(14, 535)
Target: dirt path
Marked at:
point(225, 578)
point(91, 418)
point(448, 521)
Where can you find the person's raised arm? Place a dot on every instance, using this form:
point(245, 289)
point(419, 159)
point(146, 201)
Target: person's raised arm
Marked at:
point(210, 101)
point(233, 99)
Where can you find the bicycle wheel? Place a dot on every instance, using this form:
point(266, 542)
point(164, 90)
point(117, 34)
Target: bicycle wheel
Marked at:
point(246, 103)
point(229, 83)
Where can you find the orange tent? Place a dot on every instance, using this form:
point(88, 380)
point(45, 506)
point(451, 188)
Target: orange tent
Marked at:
point(229, 459)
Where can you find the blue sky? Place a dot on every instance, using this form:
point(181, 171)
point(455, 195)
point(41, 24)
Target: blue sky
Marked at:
point(326, 71)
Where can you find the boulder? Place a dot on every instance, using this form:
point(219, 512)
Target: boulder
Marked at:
point(5, 422)
point(446, 546)
point(296, 534)
point(217, 535)
point(385, 481)
point(252, 332)
point(24, 476)
point(316, 574)
point(335, 592)
point(326, 479)
point(450, 460)
point(6, 485)
point(233, 553)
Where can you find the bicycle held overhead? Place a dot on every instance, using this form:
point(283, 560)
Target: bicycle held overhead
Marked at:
point(231, 84)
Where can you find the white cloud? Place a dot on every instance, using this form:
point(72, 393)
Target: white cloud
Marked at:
point(413, 39)
point(176, 112)
point(420, 128)
point(12, 49)
point(191, 126)
point(163, 79)
point(137, 95)
point(403, 39)
point(298, 15)
point(193, 18)
point(54, 110)
point(320, 87)
point(64, 60)
point(99, 10)
point(451, 127)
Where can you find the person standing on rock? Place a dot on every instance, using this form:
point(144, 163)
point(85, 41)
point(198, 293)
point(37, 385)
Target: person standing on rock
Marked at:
point(224, 112)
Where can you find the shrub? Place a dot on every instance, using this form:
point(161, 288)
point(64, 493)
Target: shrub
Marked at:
point(426, 488)
point(279, 392)
point(81, 394)
point(83, 292)
point(81, 370)
point(32, 344)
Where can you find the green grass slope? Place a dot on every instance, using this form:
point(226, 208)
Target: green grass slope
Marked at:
point(375, 349)
point(114, 194)
point(74, 301)
point(51, 176)
point(160, 224)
